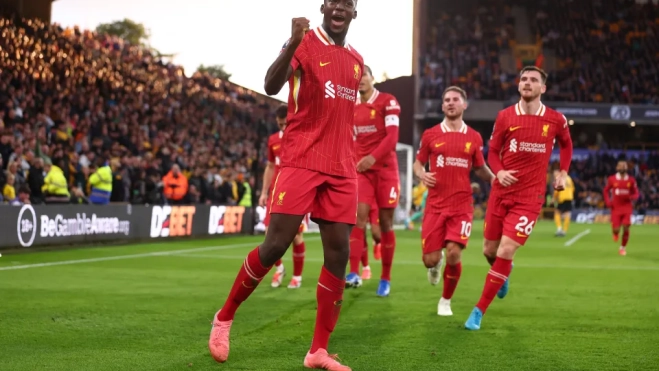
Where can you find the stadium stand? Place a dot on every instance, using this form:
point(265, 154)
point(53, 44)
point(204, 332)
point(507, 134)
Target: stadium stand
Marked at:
point(606, 50)
point(462, 48)
point(71, 97)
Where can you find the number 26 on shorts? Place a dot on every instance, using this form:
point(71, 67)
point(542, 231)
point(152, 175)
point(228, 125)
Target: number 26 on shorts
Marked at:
point(524, 226)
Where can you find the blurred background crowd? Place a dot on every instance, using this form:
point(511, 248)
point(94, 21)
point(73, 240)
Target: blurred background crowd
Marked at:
point(75, 101)
point(601, 50)
point(91, 118)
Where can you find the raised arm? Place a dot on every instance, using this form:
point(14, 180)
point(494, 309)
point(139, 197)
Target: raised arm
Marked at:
point(282, 68)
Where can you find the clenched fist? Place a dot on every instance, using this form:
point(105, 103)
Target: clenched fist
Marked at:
point(300, 26)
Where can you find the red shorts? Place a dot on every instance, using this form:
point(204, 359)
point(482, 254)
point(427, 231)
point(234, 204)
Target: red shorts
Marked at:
point(327, 197)
point(379, 187)
point(621, 218)
point(509, 218)
point(438, 229)
point(374, 215)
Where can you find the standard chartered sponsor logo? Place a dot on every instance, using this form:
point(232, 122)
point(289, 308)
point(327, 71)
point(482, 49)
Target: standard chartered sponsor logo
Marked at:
point(440, 161)
point(346, 93)
point(513, 145)
point(366, 129)
point(81, 225)
point(332, 91)
point(329, 90)
point(533, 147)
point(457, 162)
point(527, 147)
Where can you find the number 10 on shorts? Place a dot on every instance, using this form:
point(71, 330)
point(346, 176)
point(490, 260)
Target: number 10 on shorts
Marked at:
point(524, 226)
point(466, 229)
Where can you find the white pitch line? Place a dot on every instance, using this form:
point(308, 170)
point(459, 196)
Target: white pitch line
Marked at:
point(576, 238)
point(132, 256)
point(419, 263)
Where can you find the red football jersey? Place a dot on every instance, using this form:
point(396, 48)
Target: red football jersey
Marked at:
point(321, 105)
point(451, 156)
point(274, 151)
point(371, 121)
point(524, 142)
point(624, 191)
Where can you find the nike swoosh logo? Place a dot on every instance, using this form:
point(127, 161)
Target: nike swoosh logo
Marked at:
point(514, 128)
point(439, 145)
point(324, 64)
point(392, 201)
point(464, 237)
point(521, 235)
point(496, 282)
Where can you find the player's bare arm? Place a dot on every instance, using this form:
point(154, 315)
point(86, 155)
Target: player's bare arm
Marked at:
point(427, 178)
point(561, 179)
point(365, 163)
point(485, 174)
point(268, 174)
point(280, 70)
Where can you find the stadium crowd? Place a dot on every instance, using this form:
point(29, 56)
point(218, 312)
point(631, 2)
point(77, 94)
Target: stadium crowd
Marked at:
point(462, 48)
point(75, 102)
point(606, 50)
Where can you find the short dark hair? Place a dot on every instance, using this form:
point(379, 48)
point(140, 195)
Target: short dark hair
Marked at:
point(456, 89)
point(367, 68)
point(539, 70)
point(282, 111)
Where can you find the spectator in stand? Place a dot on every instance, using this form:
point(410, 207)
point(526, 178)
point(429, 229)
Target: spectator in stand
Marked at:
point(101, 183)
point(55, 188)
point(175, 186)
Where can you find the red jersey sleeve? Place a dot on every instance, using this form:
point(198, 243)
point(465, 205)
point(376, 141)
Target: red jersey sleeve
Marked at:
point(606, 192)
point(565, 143)
point(423, 153)
point(496, 142)
point(300, 53)
point(633, 192)
point(271, 153)
point(478, 160)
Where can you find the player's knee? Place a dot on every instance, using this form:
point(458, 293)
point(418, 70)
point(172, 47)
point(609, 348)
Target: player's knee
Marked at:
point(298, 239)
point(453, 253)
point(490, 248)
point(431, 260)
point(507, 249)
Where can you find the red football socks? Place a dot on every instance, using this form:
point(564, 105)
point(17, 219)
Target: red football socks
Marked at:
point(365, 254)
point(298, 259)
point(388, 249)
point(249, 277)
point(496, 277)
point(625, 238)
point(356, 248)
point(329, 295)
point(451, 278)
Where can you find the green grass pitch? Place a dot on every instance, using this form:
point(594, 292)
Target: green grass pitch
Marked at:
point(149, 307)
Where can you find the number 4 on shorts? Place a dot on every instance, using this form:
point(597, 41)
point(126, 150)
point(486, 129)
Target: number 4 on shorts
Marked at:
point(393, 195)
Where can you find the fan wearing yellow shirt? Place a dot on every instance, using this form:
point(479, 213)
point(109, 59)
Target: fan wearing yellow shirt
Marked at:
point(563, 206)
